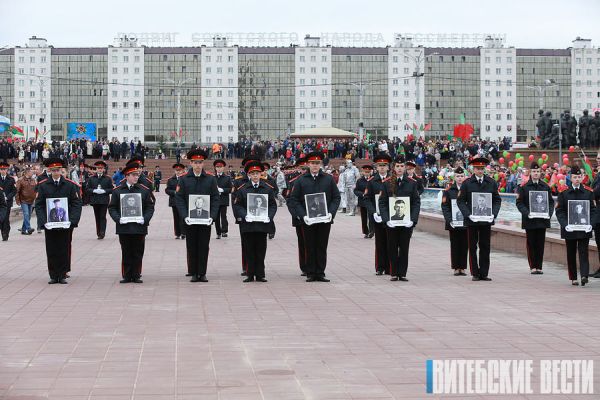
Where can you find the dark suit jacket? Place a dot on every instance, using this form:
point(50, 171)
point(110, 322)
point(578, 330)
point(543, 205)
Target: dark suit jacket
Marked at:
point(203, 214)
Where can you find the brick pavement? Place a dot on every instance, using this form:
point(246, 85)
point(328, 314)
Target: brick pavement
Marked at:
point(358, 337)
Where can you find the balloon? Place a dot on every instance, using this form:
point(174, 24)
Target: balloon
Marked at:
point(507, 155)
point(521, 163)
point(571, 149)
point(540, 161)
point(510, 163)
point(504, 153)
point(566, 161)
point(556, 165)
point(502, 190)
point(544, 156)
point(501, 160)
point(562, 182)
point(531, 157)
point(560, 176)
point(496, 177)
point(545, 166)
point(518, 155)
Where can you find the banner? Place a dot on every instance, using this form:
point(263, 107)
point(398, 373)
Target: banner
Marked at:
point(81, 130)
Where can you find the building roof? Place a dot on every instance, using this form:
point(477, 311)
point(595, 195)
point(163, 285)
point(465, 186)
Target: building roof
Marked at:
point(323, 133)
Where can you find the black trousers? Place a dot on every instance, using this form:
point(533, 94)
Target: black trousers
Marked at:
point(177, 222)
point(256, 250)
point(479, 236)
point(301, 248)
point(132, 254)
point(366, 220)
point(221, 224)
point(316, 239)
point(58, 252)
point(244, 260)
point(382, 262)
point(574, 247)
point(157, 186)
point(5, 225)
point(459, 248)
point(597, 237)
point(536, 239)
point(100, 215)
point(398, 242)
point(197, 240)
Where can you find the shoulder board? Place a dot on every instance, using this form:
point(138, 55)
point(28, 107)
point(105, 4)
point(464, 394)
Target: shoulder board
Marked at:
point(42, 181)
point(241, 186)
point(387, 179)
point(73, 182)
point(209, 173)
point(560, 190)
point(268, 184)
point(448, 186)
point(369, 178)
point(144, 186)
point(294, 178)
point(588, 188)
point(412, 179)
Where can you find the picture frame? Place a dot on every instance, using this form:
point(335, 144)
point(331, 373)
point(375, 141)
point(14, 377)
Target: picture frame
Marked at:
point(199, 209)
point(578, 214)
point(538, 204)
point(316, 207)
point(57, 213)
point(481, 207)
point(399, 211)
point(257, 206)
point(131, 207)
point(458, 219)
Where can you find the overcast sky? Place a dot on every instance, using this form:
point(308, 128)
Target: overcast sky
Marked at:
point(95, 23)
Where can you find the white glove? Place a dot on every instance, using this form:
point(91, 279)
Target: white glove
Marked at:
point(471, 218)
point(100, 191)
point(409, 224)
point(210, 221)
point(121, 221)
point(588, 228)
point(529, 216)
point(220, 190)
point(377, 218)
point(307, 221)
point(140, 220)
point(452, 225)
point(569, 228)
point(266, 221)
point(329, 217)
point(187, 220)
point(390, 224)
point(96, 191)
point(249, 218)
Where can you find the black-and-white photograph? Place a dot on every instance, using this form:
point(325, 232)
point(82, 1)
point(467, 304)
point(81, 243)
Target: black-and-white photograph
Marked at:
point(481, 204)
point(399, 208)
point(57, 209)
point(131, 205)
point(377, 203)
point(257, 205)
point(579, 213)
point(316, 205)
point(538, 203)
point(199, 206)
point(457, 217)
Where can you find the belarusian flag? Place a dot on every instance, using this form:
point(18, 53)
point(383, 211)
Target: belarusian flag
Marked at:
point(427, 127)
point(16, 131)
point(588, 169)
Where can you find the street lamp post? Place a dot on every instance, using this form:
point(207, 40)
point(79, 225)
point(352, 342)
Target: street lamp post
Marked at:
point(540, 90)
point(417, 74)
point(179, 83)
point(361, 87)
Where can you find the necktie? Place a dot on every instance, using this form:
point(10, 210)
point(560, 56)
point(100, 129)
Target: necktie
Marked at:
point(255, 186)
point(55, 183)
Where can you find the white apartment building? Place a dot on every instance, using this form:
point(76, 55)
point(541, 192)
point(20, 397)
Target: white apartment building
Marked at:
point(32, 86)
point(219, 105)
point(498, 72)
point(585, 77)
point(126, 91)
point(312, 85)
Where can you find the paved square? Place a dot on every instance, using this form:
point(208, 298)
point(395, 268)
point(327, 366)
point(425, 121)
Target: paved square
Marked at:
point(358, 337)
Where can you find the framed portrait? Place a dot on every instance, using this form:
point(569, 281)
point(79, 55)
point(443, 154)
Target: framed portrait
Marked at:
point(481, 206)
point(316, 207)
point(199, 209)
point(131, 207)
point(399, 208)
point(257, 206)
point(377, 203)
point(538, 204)
point(457, 217)
point(57, 212)
point(579, 214)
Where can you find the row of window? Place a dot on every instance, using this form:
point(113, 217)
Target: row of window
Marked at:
point(21, 93)
point(313, 116)
point(313, 93)
point(313, 81)
point(498, 60)
point(588, 72)
point(125, 128)
point(313, 70)
point(487, 71)
point(115, 70)
point(587, 94)
point(219, 93)
point(32, 59)
point(588, 60)
point(219, 128)
point(125, 93)
point(219, 70)
point(488, 117)
point(208, 116)
point(125, 117)
point(313, 104)
point(313, 58)
point(487, 93)
point(115, 105)
point(115, 59)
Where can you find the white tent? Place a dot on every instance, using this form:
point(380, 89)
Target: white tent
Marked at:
point(329, 133)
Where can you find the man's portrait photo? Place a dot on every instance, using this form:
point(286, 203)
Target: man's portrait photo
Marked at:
point(316, 205)
point(57, 209)
point(456, 214)
point(481, 204)
point(579, 212)
point(131, 205)
point(399, 208)
point(199, 205)
point(256, 205)
point(538, 202)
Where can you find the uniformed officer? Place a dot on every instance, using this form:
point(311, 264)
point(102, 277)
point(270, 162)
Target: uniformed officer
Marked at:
point(254, 231)
point(8, 186)
point(272, 182)
point(138, 162)
point(132, 231)
point(576, 231)
point(4, 211)
point(371, 198)
point(224, 186)
point(316, 235)
point(301, 169)
point(459, 245)
point(157, 178)
point(359, 191)
point(596, 188)
point(58, 239)
point(396, 188)
point(99, 187)
point(479, 228)
point(531, 195)
point(178, 170)
point(42, 175)
point(411, 173)
point(197, 239)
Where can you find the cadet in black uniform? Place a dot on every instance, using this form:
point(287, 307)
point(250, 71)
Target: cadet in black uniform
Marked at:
point(316, 235)
point(157, 178)
point(99, 188)
point(197, 239)
point(479, 231)
point(40, 178)
point(596, 188)
point(272, 182)
point(398, 237)
point(359, 191)
point(535, 227)
point(254, 232)
point(58, 240)
point(4, 211)
point(459, 244)
point(301, 169)
point(576, 231)
point(179, 170)
point(224, 185)
point(371, 199)
point(238, 182)
point(132, 234)
point(7, 184)
point(410, 172)
point(138, 162)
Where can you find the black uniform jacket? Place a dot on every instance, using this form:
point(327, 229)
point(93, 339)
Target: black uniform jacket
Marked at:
point(523, 204)
point(114, 208)
point(225, 183)
point(191, 184)
point(451, 193)
point(359, 190)
point(306, 184)
point(464, 199)
point(562, 210)
point(66, 188)
point(240, 208)
point(171, 188)
point(105, 183)
point(407, 187)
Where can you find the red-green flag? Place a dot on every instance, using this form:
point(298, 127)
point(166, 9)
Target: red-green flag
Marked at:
point(463, 130)
point(16, 131)
point(427, 127)
point(588, 169)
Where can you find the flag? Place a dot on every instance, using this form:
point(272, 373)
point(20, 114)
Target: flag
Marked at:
point(421, 128)
point(16, 131)
point(588, 169)
point(37, 132)
point(463, 130)
point(427, 127)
